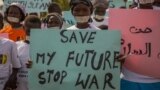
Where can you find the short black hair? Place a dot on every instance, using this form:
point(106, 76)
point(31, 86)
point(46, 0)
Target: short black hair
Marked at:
point(32, 19)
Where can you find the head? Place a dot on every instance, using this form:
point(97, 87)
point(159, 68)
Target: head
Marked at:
point(81, 10)
point(54, 8)
point(1, 21)
point(15, 13)
point(100, 10)
point(54, 20)
point(145, 4)
point(31, 21)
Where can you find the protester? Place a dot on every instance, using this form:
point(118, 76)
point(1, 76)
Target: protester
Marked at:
point(82, 11)
point(31, 22)
point(55, 8)
point(54, 21)
point(100, 19)
point(8, 61)
point(14, 15)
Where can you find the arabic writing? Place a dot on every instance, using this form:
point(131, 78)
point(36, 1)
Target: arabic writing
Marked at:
point(135, 30)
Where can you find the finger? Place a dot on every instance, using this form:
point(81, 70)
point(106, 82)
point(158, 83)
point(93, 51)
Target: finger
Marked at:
point(119, 56)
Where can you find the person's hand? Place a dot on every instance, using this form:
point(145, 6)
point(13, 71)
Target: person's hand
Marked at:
point(122, 57)
point(29, 64)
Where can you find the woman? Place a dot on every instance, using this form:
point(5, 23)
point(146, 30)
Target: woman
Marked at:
point(14, 15)
point(23, 46)
point(82, 11)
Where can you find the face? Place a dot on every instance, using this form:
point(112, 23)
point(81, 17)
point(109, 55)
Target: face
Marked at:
point(53, 22)
point(81, 10)
point(100, 10)
point(14, 12)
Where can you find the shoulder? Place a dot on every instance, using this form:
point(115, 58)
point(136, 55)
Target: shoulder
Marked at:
point(94, 27)
point(6, 29)
point(21, 44)
point(8, 42)
point(72, 28)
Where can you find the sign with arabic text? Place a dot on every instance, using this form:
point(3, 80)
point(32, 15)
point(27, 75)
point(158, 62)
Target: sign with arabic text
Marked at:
point(30, 5)
point(140, 38)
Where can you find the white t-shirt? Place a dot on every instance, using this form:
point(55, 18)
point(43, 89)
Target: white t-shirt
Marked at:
point(8, 57)
point(135, 77)
point(91, 26)
point(104, 22)
point(23, 53)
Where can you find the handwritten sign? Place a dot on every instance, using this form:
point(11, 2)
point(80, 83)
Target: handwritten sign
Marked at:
point(74, 60)
point(140, 32)
point(30, 5)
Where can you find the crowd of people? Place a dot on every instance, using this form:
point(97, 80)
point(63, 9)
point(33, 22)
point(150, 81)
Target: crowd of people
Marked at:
point(14, 51)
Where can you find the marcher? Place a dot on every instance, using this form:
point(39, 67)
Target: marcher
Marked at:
point(31, 22)
point(14, 15)
point(9, 64)
point(82, 11)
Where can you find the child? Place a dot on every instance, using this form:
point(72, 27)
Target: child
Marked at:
point(31, 21)
point(14, 15)
point(82, 11)
point(8, 60)
point(99, 18)
point(54, 21)
point(55, 8)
